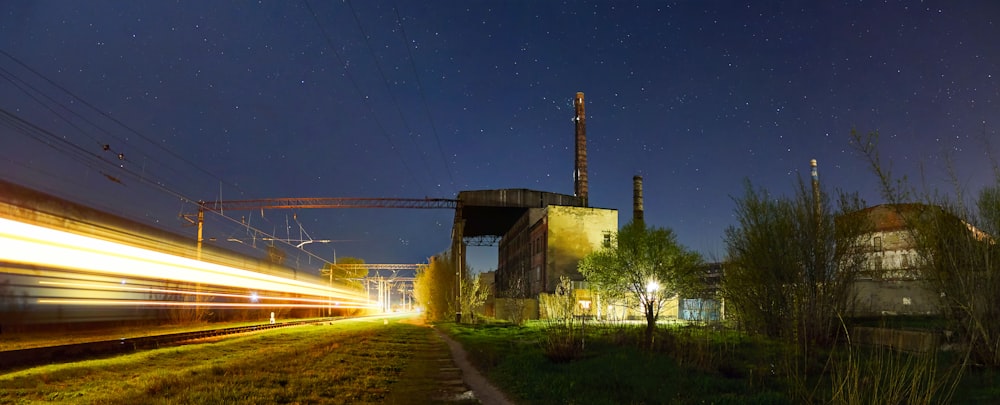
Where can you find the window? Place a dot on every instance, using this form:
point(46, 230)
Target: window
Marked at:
point(877, 243)
point(607, 239)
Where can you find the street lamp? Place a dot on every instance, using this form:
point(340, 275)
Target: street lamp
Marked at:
point(652, 286)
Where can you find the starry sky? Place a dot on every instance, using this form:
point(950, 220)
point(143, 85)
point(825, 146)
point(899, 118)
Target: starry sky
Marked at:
point(139, 108)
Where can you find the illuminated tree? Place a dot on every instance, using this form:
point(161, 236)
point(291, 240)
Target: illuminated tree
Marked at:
point(474, 294)
point(434, 288)
point(645, 262)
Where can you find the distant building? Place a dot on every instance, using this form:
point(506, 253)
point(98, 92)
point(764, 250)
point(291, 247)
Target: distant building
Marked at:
point(706, 304)
point(891, 283)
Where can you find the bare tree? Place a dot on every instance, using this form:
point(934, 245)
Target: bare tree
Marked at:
point(792, 262)
point(955, 241)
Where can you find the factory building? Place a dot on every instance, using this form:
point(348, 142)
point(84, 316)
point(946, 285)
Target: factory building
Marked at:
point(542, 235)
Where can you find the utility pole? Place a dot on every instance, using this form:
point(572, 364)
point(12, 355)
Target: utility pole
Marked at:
point(329, 311)
point(201, 226)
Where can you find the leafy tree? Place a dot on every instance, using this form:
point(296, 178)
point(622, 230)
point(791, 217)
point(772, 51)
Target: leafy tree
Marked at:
point(474, 294)
point(434, 288)
point(792, 261)
point(648, 263)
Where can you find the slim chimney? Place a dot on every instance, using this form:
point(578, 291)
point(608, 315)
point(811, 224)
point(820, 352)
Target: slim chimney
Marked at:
point(637, 215)
point(580, 172)
point(815, 187)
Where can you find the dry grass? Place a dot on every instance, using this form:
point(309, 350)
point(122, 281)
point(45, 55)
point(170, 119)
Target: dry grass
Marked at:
point(70, 334)
point(344, 362)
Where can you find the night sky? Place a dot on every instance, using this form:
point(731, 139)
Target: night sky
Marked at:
point(242, 100)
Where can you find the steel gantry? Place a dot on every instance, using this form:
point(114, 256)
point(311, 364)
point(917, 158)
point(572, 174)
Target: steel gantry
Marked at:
point(262, 204)
point(327, 202)
point(383, 283)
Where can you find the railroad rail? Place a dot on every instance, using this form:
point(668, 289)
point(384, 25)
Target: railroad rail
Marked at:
point(38, 356)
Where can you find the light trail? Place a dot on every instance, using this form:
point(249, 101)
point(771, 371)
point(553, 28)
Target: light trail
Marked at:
point(22, 243)
point(104, 302)
point(252, 296)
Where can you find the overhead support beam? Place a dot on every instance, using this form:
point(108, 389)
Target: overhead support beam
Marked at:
point(379, 266)
point(337, 202)
point(483, 240)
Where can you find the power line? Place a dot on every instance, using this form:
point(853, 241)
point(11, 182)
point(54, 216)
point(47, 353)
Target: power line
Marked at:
point(423, 98)
point(385, 80)
point(357, 88)
point(109, 169)
point(115, 120)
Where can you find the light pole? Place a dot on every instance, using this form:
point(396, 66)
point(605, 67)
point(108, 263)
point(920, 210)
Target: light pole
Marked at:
point(651, 287)
point(585, 306)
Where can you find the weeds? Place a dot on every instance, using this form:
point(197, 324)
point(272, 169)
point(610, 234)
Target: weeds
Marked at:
point(882, 375)
point(562, 344)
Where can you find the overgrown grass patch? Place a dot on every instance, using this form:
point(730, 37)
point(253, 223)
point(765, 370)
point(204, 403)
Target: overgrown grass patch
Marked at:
point(612, 369)
point(709, 364)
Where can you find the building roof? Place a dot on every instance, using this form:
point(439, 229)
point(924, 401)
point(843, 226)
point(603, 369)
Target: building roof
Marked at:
point(493, 212)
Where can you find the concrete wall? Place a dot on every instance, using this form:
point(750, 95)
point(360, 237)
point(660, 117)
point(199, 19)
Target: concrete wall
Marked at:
point(905, 340)
point(516, 309)
point(895, 297)
point(892, 285)
point(573, 233)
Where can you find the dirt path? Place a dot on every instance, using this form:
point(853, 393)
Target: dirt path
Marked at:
point(448, 367)
point(485, 392)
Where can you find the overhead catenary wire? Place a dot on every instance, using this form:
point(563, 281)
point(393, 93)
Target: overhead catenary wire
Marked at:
point(94, 161)
point(423, 98)
point(114, 120)
point(392, 94)
point(364, 100)
point(86, 156)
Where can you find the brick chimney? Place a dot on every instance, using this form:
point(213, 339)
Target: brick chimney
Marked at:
point(580, 172)
point(637, 214)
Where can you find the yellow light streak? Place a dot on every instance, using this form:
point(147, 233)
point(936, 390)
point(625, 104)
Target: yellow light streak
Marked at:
point(115, 287)
point(35, 245)
point(87, 301)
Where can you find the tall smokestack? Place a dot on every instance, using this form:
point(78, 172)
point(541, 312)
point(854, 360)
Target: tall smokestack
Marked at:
point(815, 183)
point(637, 215)
point(580, 172)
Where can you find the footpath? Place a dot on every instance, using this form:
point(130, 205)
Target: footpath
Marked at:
point(440, 373)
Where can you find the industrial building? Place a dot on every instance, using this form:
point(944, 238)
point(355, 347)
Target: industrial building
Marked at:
point(542, 235)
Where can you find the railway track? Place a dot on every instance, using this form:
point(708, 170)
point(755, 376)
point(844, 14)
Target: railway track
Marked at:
point(23, 358)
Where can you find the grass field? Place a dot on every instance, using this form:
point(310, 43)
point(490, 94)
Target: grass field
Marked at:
point(362, 361)
point(399, 361)
point(69, 334)
point(610, 370)
point(697, 365)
